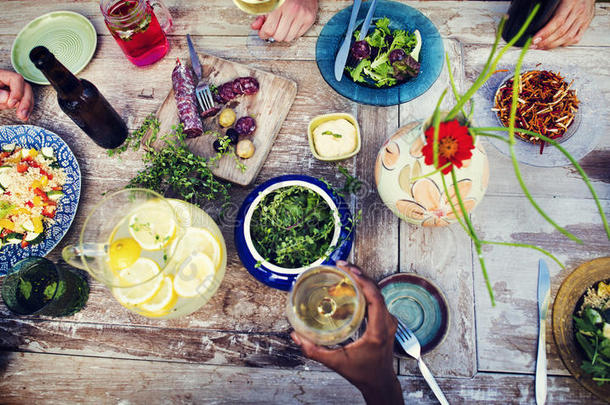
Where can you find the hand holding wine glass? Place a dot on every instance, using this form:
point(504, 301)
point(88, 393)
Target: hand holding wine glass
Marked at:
point(289, 21)
point(367, 363)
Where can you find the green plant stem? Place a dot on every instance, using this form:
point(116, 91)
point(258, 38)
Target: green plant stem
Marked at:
point(566, 154)
point(452, 81)
point(486, 74)
point(488, 135)
point(525, 245)
point(475, 238)
point(454, 209)
point(436, 121)
point(446, 165)
point(511, 146)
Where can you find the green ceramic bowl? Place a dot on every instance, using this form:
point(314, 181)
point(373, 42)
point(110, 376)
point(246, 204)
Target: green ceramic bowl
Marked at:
point(314, 123)
point(69, 36)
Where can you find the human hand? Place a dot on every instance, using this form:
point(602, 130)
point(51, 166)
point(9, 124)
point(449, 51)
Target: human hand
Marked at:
point(16, 93)
point(289, 21)
point(569, 23)
point(368, 362)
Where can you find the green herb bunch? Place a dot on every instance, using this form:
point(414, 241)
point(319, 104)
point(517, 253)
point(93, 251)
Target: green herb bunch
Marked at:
point(593, 335)
point(174, 168)
point(292, 227)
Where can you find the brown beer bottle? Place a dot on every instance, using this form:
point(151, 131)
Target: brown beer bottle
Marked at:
point(81, 101)
point(517, 14)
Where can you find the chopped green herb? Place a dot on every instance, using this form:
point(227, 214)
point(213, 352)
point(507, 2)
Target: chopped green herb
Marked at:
point(333, 134)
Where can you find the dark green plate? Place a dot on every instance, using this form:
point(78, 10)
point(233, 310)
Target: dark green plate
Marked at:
point(420, 305)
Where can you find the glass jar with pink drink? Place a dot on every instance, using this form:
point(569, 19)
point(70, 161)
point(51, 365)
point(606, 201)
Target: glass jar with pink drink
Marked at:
point(136, 28)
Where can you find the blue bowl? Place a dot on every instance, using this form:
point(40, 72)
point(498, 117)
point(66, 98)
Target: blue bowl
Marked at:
point(268, 273)
point(401, 17)
point(31, 136)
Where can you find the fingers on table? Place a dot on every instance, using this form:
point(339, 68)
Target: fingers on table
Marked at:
point(258, 22)
point(270, 25)
point(25, 106)
point(16, 86)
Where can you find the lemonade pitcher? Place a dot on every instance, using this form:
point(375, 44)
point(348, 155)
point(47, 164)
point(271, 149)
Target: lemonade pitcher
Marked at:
point(159, 257)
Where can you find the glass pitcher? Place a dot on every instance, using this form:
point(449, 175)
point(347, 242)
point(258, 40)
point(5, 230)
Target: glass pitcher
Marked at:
point(160, 258)
point(136, 29)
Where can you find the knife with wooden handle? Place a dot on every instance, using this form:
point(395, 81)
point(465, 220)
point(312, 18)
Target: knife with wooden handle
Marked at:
point(544, 296)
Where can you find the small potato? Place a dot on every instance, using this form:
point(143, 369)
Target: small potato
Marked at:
point(226, 118)
point(245, 149)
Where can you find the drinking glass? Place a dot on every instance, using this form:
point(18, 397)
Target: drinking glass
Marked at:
point(258, 6)
point(135, 27)
point(39, 287)
point(325, 305)
point(160, 258)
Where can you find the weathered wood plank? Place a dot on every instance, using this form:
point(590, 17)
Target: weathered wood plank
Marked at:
point(193, 345)
point(443, 255)
point(129, 381)
point(471, 21)
point(506, 334)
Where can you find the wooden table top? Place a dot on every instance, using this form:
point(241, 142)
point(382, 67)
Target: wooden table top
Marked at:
point(237, 348)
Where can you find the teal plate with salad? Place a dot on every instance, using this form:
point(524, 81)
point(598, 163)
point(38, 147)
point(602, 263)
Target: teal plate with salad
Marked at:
point(40, 184)
point(380, 75)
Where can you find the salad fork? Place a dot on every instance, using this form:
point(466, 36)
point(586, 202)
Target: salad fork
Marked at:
point(409, 342)
point(202, 91)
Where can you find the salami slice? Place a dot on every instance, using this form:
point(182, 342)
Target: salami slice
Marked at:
point(184, 91)
point(245, 126)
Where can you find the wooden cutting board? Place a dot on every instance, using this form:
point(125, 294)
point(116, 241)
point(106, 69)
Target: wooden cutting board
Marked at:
point(269, 107)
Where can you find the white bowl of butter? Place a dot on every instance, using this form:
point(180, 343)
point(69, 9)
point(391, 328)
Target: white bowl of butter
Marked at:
point(334, 136)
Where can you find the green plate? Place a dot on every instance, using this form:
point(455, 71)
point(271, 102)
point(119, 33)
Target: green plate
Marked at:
point(70, 36)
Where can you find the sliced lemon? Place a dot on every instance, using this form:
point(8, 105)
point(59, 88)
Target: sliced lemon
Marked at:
point(195, 275)
point(163, 301)
point(123, 253)
point(143, 269)
point(199, 240)
point(152, 226)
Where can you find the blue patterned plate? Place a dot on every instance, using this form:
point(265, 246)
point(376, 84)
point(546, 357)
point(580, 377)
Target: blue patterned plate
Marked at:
point(420, 305)
point(35, 137)
point(268, 273)
point(401, 17)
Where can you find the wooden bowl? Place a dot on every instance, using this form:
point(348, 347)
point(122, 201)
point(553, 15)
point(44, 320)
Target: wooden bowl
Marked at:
point(570, 292)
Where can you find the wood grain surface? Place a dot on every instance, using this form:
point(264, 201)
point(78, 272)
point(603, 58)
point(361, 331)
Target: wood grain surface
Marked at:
point(237, 348)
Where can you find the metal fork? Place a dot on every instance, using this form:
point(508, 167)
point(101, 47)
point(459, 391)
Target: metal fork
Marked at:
point(202, 91)
point(409, 342)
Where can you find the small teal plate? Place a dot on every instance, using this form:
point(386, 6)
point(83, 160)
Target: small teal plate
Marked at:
point(402, 17)
point(420, 305)
point(35, 137)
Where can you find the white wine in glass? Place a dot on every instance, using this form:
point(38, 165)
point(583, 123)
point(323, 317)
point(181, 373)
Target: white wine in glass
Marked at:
point(325, 305)
point(258, 6)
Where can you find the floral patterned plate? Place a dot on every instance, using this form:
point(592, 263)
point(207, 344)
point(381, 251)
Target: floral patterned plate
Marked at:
point(35, 137)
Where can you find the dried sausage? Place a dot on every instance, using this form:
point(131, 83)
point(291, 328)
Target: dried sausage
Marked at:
point(184, 92)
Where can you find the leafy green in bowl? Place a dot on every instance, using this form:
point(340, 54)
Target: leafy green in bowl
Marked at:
point(592, 331)
point(293, 227)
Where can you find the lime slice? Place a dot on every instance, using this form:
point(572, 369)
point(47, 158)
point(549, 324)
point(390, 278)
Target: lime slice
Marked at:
point(123, 253)
point(195, 275)
point(152, 226)
point(199, 240)
point(163, 301)
point(143, 269)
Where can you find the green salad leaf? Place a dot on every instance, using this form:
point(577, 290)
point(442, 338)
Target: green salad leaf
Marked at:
point(292, 227)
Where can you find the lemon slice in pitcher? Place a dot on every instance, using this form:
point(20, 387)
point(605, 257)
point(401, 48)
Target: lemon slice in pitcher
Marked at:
point(123, 253)
point(162, 301)
point(135, 276)
point(195, 276)
point(199, 240)
point(152, 226)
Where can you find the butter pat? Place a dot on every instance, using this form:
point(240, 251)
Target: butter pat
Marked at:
point(335, 138)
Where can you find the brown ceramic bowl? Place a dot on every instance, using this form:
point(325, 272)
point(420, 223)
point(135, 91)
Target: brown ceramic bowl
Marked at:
point(571, 291)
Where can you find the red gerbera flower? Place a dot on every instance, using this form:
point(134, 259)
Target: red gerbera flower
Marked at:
point(454, 145)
